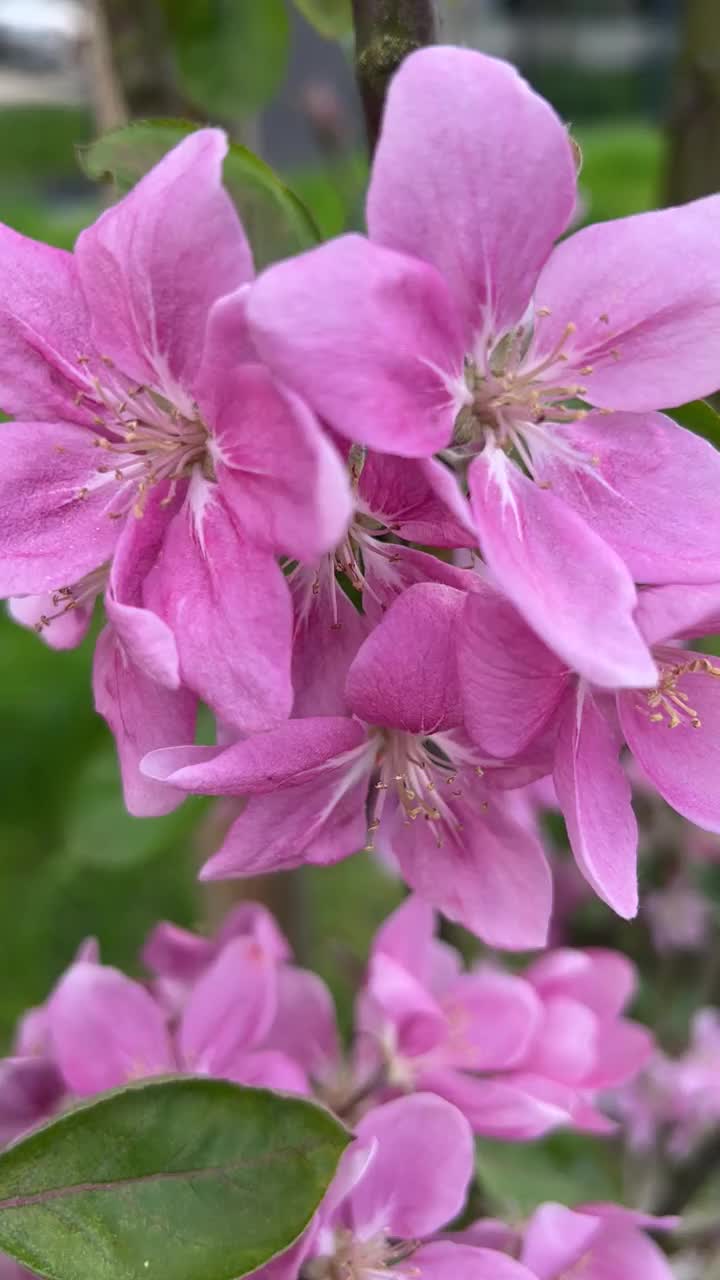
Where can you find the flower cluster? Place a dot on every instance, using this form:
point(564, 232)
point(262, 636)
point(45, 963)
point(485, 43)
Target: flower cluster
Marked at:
point(403, 511)
point(437, 1054)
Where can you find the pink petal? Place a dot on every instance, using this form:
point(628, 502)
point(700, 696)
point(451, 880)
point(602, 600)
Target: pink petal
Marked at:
point(44, 328)
point(445, 1260)
point(566, 1044)
point(422, 1168)
point(664, 613)
point(285, 484)
point(682, 763)
point(568, 584)
point(143, 716)
point(254, 920)
point(498, 1108)
point(407, 936)
point(366, 337)
point(603, 980)
point(650, 335)
point(328, 633)
point(67, 628)
point(55, 519)
point(619, 1254)
point(267, 1069)
point(419, 1022)
point(172, 952)
point(594, 795)
point(464, 143)
point(651, 494)
point(512, 685)
point(106, 1030)
point(495, 1014)
point(405, 674)
point(147, 640)
point(489, 874)
point(556, 1239)
point(229, 1009)
point(228, 605)
point(153, 265)
point(624, 1048)
point(305, 1027)
point(418, 499)
point(390, 569)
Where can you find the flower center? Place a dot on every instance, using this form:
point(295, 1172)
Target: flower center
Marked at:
point(669, 705)
point(422, 775)
point(143, 438)
point(354, 1259)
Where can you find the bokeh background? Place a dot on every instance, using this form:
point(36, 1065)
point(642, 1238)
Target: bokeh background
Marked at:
point(639, 82)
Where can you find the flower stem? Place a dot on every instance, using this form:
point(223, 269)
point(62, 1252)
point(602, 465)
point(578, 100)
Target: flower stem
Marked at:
point(386, 31)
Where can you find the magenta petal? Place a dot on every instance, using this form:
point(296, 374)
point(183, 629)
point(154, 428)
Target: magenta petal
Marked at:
point(420, 1023)
point(644, 296)
point(280, 475)
point(305, 1028)
point(489, 873)
point(419, 1177)
point(268, 1069)
point(451, 188)
point(329, 630)
point(603, 980)
point(664, 613)
point(418, 499)
point(446, 1260)
point(498, 1013)
point(556, 1239)
point(567, 1042)
point(228, 605)
point(55, 525)
point(594, 794)
point(106, 1030)
point(512, 684)
point(229, 1009)
point(405, 674)
point(619, 1253)
point(624, 1048)
point(682, 762)
point(153, 265)
point(366, 336)
point(499, 1108)
point(143, 716)
point(172, 952)
point(406, 935)
point(569, 584)
point(650, 493)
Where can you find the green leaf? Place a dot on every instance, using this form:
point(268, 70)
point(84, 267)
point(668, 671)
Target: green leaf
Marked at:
point(276, 222)
point(231, 54)
point(182, 1179)
point(700, 417)
point(567, 1167)
point(332, 18)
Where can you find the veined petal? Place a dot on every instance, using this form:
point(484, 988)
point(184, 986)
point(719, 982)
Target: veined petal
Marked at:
point(418, 499)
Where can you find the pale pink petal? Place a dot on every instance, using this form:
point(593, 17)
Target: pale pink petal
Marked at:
point(305, 1027)
point(419, 1021)
point(59, 627)
point(229, 1009)
point(172, 952)
point(54, 519)
point(106, 1030)
point(623, 1049)
point(682, 762)
point(499, 1108)
point(422, 1168)
point(650, 493)
point(556, 1239)
point(665, 613)
point(644, 296)
point(280, 475)
point(407, 936)
point(153, 265)
point(594, 795)
point(568, 584)
point(366, 336)
point(512, 684)
point(418, 499)
point(474, 173)
point(619, 1254)
point(446, 1260)
point(228, 605)
point(143, 716)
point(566, 1044)
point(488, 874)
point(494, 1016)
point(267, 1069)
point(603, 980)
point(405, 674)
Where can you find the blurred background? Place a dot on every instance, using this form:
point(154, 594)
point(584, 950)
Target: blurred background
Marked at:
point(639, 82)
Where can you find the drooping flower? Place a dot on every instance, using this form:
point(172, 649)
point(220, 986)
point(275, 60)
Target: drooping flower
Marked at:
point(515, 689)
point(399, 769)
point(456, 327)
point(137, 390)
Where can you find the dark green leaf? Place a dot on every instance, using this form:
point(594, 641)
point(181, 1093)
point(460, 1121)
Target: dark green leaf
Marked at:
point(332, 18)
point(276, 222)
point(567, 1167)
point(231, 54)
point(700, 417)
point(184, 1179)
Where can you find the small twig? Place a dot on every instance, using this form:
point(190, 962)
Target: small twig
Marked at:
point(386, 31)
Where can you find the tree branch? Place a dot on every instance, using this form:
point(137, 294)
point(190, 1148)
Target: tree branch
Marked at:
point(386, 31)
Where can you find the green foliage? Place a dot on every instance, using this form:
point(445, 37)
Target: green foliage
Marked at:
point(700, 417)
point(231, 54)
point(571, 1168)
point(332, 18)
point(184, 1179)
point(276, 222)
point(621, 168)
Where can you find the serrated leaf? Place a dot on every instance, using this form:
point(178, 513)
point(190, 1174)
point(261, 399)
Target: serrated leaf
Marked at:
point(700, 417)
point(332, 18)
point(275, 220)
point(182, 1179)
point(230, 54)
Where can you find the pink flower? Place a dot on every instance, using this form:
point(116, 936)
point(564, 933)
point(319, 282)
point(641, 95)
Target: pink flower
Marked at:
point(151, 431)
point(457, 327)
point(518, 1055)
point(455, 836)
point(515, 690)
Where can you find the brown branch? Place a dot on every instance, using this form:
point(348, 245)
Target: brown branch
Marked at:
point(386, 31)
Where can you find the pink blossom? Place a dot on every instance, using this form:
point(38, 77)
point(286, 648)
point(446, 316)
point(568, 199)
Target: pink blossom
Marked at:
point(437, 804)
point(458, 328)
point(519, 1055)
point(515, 690)
point(147, 419)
